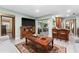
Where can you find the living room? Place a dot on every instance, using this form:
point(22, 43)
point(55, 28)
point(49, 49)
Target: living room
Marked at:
point(39, 29)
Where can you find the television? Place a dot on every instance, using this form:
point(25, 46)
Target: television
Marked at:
point(28, 22)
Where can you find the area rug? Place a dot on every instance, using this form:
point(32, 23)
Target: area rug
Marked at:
point(31, 48)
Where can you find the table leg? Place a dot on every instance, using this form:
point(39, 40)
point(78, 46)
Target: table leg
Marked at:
point(52, 43)
point(26, 41)
point(47, 50)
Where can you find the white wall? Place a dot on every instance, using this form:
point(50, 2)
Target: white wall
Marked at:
point(77, 24)
point(36, 22)
point(50, 26)
point(18, 17)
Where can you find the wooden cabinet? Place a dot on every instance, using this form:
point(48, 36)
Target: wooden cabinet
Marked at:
point(54, 33)
point(61, 34)
point(26, 31)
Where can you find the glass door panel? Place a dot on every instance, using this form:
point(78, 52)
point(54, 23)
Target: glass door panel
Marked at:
point(43, 27)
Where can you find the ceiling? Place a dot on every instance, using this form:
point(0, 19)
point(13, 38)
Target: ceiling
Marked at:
point(43, 10)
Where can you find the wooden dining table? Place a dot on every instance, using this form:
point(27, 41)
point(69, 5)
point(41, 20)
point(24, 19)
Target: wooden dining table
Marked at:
point(43, 41)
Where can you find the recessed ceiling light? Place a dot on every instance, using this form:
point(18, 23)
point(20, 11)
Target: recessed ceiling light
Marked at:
point(37, 11)
point(68, 11)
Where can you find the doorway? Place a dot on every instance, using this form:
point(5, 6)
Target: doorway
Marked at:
point(8, 26)
point(71, 25)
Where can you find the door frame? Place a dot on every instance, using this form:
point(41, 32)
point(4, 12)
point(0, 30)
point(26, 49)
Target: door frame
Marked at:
point(13, 24)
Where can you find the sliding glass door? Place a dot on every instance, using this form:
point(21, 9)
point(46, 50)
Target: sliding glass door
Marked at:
point(43, 27)
point(77, 27)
